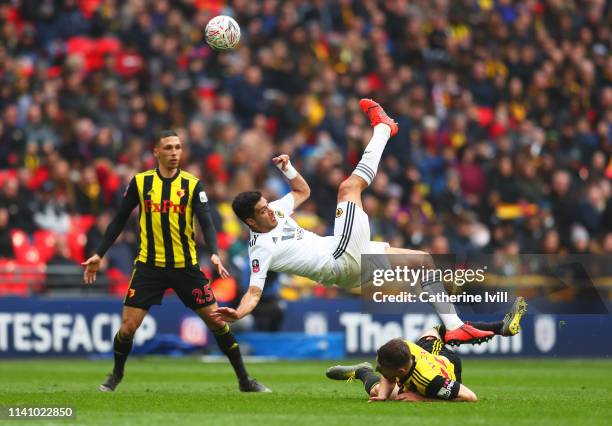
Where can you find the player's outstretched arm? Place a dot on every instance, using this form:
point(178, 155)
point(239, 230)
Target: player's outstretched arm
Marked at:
point(299, 186)
point(464, 395)
point(130, 200)
point(247, 304)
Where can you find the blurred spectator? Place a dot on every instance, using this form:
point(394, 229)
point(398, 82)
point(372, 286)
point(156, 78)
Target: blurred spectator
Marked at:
point(121, 255)
point(19, 204)
point(62, 271)
point(51, 213)
point(96, 232)
point(88, 193)
point(6, 244)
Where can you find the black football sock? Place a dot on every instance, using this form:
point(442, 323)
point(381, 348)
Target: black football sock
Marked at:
point(495, 327)
point(229, 346)
point(368, 377)
point(121, 346)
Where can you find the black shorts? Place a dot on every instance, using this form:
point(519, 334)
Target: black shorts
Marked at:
point(149, 283)
point(435, 346)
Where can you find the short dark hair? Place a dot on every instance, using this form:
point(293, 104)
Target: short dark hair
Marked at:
point(393, 354)
point(244, 204)
point(162, 134)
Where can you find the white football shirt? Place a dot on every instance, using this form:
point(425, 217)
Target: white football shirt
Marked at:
point(291, 249)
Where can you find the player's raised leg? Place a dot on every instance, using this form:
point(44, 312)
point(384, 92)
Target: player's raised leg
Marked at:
point(229, 346)
point(511, 324)
point(365, 171)
point(122, 345)
point(455, 331)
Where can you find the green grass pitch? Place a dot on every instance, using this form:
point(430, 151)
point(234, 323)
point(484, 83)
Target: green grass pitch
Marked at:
point(185, 391)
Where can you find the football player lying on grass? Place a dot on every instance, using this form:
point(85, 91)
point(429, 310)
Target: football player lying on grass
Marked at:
point(423, 371)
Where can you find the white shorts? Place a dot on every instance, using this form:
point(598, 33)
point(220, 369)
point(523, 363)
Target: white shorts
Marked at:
point(352, 226)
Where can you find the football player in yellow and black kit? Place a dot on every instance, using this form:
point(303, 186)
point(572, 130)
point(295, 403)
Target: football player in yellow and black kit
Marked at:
point(423, 371)
point(169, 198)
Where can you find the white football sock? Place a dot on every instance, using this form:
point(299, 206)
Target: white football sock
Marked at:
point(445, 310)
point(368, 165)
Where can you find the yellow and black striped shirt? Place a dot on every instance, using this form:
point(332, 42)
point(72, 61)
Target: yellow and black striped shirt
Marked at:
point(167, 207)
point(431, 375)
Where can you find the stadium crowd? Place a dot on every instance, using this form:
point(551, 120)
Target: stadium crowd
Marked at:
point(504, 108)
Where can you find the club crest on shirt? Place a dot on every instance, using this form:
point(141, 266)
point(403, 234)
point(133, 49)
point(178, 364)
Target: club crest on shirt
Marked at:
point(180, 193)
point(255, 265)
point(339, 212)
point(279, 213)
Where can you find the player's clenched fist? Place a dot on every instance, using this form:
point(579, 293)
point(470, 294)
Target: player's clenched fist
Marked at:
point(282, 161)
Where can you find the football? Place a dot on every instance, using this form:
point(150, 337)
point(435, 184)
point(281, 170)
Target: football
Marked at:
point(222, 33)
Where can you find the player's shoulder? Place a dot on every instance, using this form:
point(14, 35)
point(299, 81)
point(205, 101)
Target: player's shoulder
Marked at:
point(188, 176)
point(414, 348)
point(145, 173)
point(260, 242)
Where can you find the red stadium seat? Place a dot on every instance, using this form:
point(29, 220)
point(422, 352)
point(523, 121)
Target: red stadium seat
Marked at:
point(76, 243)
point(88, 7)
point(45, 241)
point(81, 223)
point(224, 240)
point(19, 239)
point(79, 45)
point(23, 249)
point(118, 282)
point(6, 175)
point(19, 279)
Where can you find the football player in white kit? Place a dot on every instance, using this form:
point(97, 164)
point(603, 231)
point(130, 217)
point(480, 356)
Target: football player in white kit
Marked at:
point(278, 244)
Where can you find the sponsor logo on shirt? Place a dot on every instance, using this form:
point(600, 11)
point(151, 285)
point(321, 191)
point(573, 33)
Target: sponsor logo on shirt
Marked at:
point(445, 390)
point(166, 206)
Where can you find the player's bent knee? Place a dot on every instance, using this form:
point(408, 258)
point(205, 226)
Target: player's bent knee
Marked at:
point(128, 327)
point(426, 260)
point(349, 188)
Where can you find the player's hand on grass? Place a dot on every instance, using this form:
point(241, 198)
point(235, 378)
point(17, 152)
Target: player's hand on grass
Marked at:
point(91, 267)
point(410, 396)
point(281, 162)
point(377, 399)
point(226, 314)
point(216, 261)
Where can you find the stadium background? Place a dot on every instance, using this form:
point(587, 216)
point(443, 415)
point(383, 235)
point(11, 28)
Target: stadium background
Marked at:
point(505, 114)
